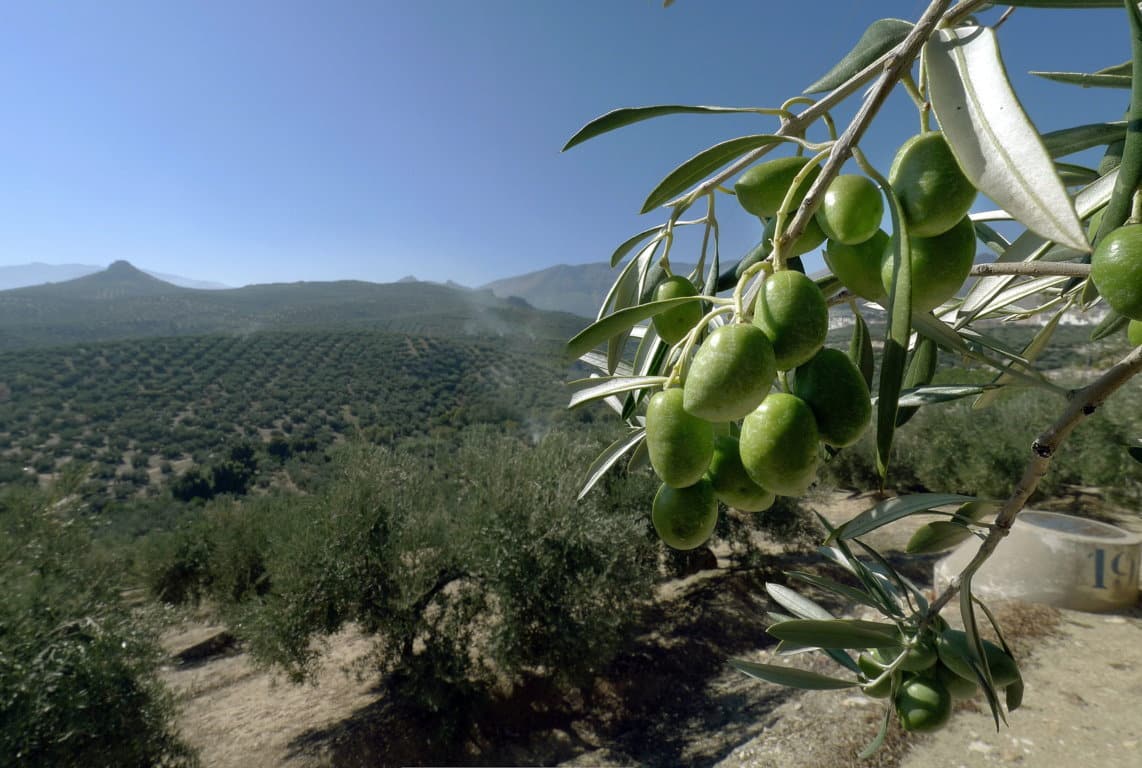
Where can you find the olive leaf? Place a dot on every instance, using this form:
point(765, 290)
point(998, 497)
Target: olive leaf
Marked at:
point(800, 606)
point(1086, 79)
point(891, 510)
point(993, 140)
point(936, 537)
point(629, 244)
point(791, 676)
point(1029, 246)
point(624, 116)
point(837, 633)
point(609, 457)
point(1067, 141)
point(702, 165)
point(898, 332)
point(1065, 3)
point(880, 37)
point(921, 369)
point(830, 585)
point(600, 387)
point(860, 348)
point(620, 321)
point(1033, 349)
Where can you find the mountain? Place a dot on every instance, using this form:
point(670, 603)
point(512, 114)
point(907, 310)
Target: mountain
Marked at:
point(574, 288)
point(124, 302)
point(37, 273)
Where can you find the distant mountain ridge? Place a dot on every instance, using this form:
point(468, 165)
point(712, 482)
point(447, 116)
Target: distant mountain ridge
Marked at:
point(574, 288)
point(38, 273)
point(124, 302)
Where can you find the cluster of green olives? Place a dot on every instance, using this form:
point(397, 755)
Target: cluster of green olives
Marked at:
point(934, 196)
point(925, 679)
point(726, 435)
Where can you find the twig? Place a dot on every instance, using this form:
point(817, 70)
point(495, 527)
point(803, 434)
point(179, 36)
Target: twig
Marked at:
point(1033, 268)
point(898, 61)
point(1083, 403)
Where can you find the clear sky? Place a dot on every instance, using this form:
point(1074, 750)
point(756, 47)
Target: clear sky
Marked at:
point(281, 140)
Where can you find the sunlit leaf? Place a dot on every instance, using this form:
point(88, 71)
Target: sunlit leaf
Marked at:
point(1086, 80)
point(920, 396)
point(791, 676)
point(624, 116)
point(702, 165)
point(880, 37)
point(604, 387)
point(799, 605)
point(995, 143)
point(602, 330)
point(629, 244)
point(891, 510)
point(1030, 247)
point(838, 633)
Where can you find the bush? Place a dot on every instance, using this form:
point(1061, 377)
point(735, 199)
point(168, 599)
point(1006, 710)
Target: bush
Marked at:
point(78, 684)
point(470, 561)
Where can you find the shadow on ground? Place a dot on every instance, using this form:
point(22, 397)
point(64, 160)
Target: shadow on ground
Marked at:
point(668, 699)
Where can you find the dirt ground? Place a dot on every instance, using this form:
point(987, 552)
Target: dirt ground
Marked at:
point(671, 700)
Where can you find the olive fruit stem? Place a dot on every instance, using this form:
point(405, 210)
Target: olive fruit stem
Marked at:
point(749, 274)
point(921, 104)
point(1083, 403)
point(898, 62)
point(781, 234)
point(692, 339)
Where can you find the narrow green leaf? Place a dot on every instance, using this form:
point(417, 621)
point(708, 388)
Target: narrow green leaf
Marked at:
point(860, 348)
point(991, 238)
point(1065, 3)
point(921, 369)
point(843, 556)
point(1076, 175)
point(878, 740)
point(991, 136)
point(629, 244)
point(791, 677)
point(978, 657)
point(602, 330)
point(1110, 325)
point(823, 582)
point(702, 165)
point(939, 331)
point(800, 606)
point(1125, 68)
point(899, 330)
point(913, 398)
point(1067, 141)
point(1031, 247)
point(624, 116)
point(936, 537)
point(884, 569)
point(1130, 167)
point(609, 457)
point(891, 510)
point(600, 387)
point(880, 37)
point(838, 633)
point(1031, 352)
point(1086, 80)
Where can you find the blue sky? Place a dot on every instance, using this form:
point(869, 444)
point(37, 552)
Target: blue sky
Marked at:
point(279, 140)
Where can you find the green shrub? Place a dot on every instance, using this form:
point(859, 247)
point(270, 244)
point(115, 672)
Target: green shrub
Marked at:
point(78, 684)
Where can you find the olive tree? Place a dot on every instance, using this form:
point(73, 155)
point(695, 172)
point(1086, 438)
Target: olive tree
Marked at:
point(721, 375)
